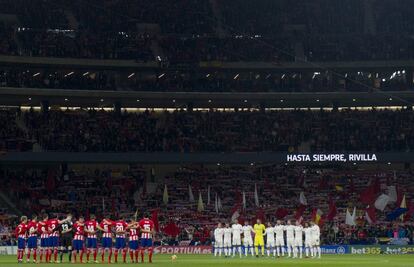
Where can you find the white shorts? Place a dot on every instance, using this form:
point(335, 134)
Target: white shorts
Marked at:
point(248, 242)
point(270, 243)
point(227, 243)
point(218, 244)
point(290, 242)
point(308, 243)
point(298, 242)
point(236, 242)
point(315, 242)
point(280, 242)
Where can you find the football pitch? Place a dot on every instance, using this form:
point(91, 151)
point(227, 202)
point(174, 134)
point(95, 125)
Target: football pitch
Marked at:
point(208, 260)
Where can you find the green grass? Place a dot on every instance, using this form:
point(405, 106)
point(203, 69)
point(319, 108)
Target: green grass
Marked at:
point(208, 260)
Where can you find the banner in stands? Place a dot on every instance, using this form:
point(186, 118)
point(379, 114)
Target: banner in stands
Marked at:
point(381, 249)
point(332, 157)
point(8, 250)
point(183, 250)
point(335, 249)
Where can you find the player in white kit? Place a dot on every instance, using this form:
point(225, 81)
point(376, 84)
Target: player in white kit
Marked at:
point(227, 240)
point(308, 240)
point(290, 237)
point(270, 240)
point(247, 238)
point(237, 231)
point(218, 239)
point(316, 235)
point(280, 239)
point(298, 240)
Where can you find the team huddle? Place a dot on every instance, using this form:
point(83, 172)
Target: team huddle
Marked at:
point(228, 240)
point(64, 236)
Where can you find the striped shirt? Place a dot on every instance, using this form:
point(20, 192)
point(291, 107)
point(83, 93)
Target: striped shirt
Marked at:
point(107, 226)
point(133, 234)
point(79, 231)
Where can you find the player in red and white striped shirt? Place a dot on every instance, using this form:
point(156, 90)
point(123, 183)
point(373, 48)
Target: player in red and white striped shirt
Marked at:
point(147, 229)
point(21, 234)
point(91, 228)
point(79, 228)
point(32, 227)
point(133, 240)
point(107, 226)
point(44, 237)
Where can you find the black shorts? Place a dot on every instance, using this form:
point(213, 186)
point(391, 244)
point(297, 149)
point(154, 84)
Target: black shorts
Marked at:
point(66, 241)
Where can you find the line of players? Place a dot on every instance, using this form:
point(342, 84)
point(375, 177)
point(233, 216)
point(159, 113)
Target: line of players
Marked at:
point(228, 239)
point(80, 237)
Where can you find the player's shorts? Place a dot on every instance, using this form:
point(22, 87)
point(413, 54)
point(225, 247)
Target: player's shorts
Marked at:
point(290, 242)
point(248, 242)
point(77, 244)
point(32, 242)
point(308, 243)
point(107, 242)
point(227, 243)
point(270, 243)
point(298, 242)
point(236, 242)
point(65, 241)
point(258, 242)
point(44, 242)
point(133, 244)
point(146, 242)
point(53, 241)
point(119, 243)
point(315, 242)
point(218, 244)
point(91, 243)
point(21, 243)
point(280, 242)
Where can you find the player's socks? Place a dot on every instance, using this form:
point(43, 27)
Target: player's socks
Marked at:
point(215, 252)
point(110, 256)
point(220, 249)
point(124, 255)
point(268, 252)
point(295, 252)
point(278, 251)
point(131, 255)
point(256, 249)
point(70, 255)
point(81, 256)
point(116, 255)
point(274, 252)
point(240, 251)
point(103, 255)
point(306, 252)
point(136, 256)
point(150, 251)
point(88, 253)
point(74, 256)
point(55, 252)
point(300, 252)
point(41, 254)
point(95, 253)
point(34, 254)
point(28, 254)
point(142, 255)
point(319, 251)
point(289, 251)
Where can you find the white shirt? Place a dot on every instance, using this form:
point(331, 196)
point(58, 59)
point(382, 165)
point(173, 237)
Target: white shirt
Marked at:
point(308, 233)
point(270, 233)
point(298, 232)
point(247, 231)
point(237, 230)
point(218, 234)
point(279, 231)
point(315, 232)
point(290, 229)
point(227, 233)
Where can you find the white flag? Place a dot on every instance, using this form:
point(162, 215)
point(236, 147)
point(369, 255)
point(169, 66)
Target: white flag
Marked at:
point(208, 195)
point(235, 216)
point(302, 199)
point(382, 202)
point(216, 204)
point(244, 200)
point(220, 207)
point(256, 196)
point(190, 194)
point(392, 193)
point(200, 206)
point(350, 219)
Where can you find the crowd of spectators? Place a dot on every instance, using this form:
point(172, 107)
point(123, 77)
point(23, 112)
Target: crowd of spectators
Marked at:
point(181, 131)
point(120, 190)
point(271, 31)
point(12, 138)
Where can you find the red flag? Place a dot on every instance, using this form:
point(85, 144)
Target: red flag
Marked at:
point(332, 210)
point(154, 218)
point(369, 195)
point(281, 213)
point(172, 229)
point(299, 211)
